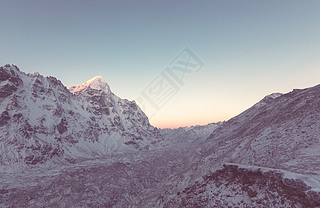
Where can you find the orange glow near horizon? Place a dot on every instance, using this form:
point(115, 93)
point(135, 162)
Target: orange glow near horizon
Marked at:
point(178, 125)
point(173, 124)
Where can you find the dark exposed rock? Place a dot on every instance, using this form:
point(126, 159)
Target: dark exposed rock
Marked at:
point(101, 110)
point(4, 118)
point(16, 81)
point(130, 143)
point(133, 105)
point(54, 81)
point(62, 126)
point(4, 75)
point(279, 190)
point(42, 153)
point(7, 90)
point(314, 196)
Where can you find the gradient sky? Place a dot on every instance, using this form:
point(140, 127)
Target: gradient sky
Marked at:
point(250, 48)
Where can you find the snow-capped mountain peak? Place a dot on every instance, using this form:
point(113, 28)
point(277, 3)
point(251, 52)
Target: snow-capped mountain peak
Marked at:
point(96, 83)
point(41, 120)
point(81, 150)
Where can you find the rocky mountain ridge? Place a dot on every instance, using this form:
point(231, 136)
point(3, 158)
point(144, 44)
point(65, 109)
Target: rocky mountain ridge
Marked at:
point(266, 156)
point(41, 119)
point(189, 135)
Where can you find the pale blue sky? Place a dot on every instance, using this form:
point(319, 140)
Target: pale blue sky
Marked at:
point(250, 48)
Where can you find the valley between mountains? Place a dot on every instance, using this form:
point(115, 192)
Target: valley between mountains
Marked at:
point(86, 147)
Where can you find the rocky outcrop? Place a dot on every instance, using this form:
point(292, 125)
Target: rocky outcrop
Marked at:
point(248, 186)
point(41, 120)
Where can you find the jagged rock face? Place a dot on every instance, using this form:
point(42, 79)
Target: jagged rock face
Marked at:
point(42, 119)
point(243, 186)
point(9, 82)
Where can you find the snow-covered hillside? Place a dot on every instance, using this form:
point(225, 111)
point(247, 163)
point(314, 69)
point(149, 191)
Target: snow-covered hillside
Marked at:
point(268, 156)
point(281, 132)
point(41, 120)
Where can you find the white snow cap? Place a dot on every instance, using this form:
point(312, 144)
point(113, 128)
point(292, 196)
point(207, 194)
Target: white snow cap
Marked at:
point(97, 83)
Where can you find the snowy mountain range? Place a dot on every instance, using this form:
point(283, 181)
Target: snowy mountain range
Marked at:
point(41, 120)
point(189, 135)
point(279, 134)
point(85, 147)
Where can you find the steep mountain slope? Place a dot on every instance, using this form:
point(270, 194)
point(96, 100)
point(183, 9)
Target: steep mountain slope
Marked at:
point(279, 132)
point(249, 186)
point(40, 119)
point(267, 156)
